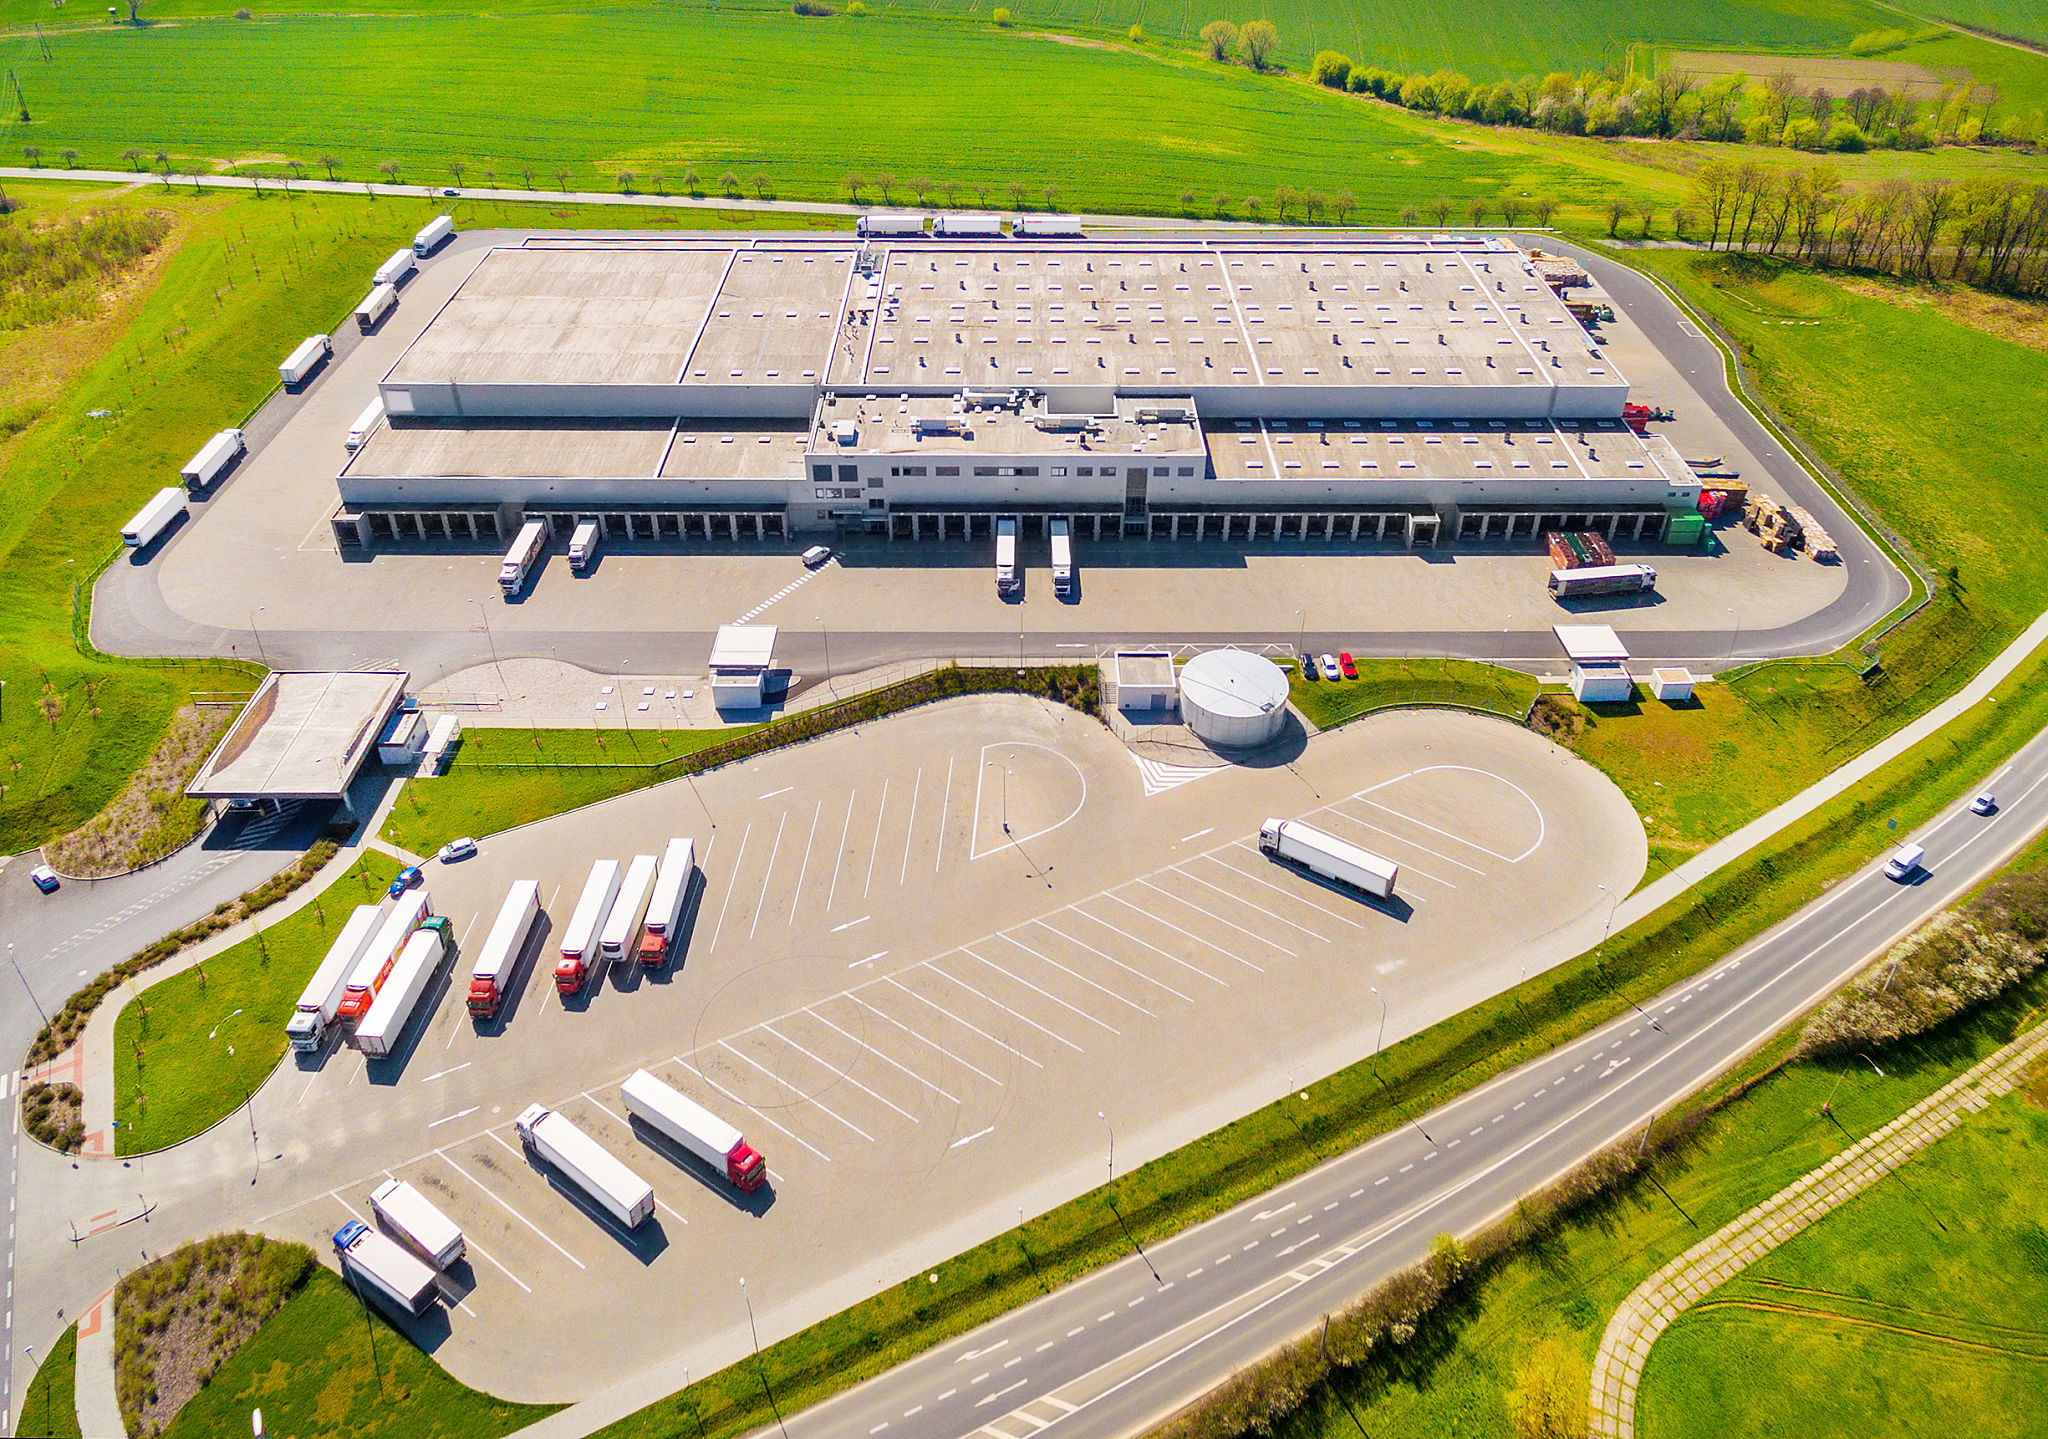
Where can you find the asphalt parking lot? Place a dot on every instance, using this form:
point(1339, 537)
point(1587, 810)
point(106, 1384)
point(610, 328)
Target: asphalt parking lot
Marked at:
point(916, 1013)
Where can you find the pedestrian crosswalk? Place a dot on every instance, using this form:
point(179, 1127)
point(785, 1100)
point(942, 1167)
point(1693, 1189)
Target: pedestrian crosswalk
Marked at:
point(786, 591)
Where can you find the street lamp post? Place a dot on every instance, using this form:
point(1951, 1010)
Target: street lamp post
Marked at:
point(825, 634)
point(1112, 1143)
point(25, 985)
point(492, 640)
point(259, 634)
point(1383, 1027)
point(1828, 1106)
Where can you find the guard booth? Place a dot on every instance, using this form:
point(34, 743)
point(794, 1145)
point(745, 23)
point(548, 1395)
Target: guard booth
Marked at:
point(741, 657)
point(1599, 673)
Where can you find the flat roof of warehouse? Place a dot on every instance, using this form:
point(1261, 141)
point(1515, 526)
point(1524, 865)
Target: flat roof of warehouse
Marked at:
point(908, 427)
point(1434, 450)
point(1139, 314)
point(581, 449)
point(301, 736)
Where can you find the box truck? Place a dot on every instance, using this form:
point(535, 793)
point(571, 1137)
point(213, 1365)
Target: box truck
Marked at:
point(589, 1165)
point(1309, 848)
point(437, 230)
point(579, 940)
point(154, 518)
point(413, 909)
point(868, 225)
point(519, 559)
point(416, 1223)
point(381, 1267)
point(217, 454)
point(583, 545)
point(969, 227)
point(665, 909)
point(383, 1024)
point(1007, 580)
point(381, 301)
point(394, 270)
point(305, 359)
point(365, 422)
point(1062, 532)
point(694, 1128)
point(620, 937)
point(1602, 580)
point(307, 1028)
point(492, 972)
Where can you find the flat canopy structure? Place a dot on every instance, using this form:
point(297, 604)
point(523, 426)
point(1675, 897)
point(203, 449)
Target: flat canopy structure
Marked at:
point(1590, 644)
point(302, 736)
point(743, 648)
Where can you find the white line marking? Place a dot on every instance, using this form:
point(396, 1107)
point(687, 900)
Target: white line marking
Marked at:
point(1184, 964)
point(804, 865)
point(878, 954)
point(1011, 939)
point(875, 844)
point(767, 875)
point(961, 1143)
point(851, 923)
point(881, 1056)
point(774, 792)
point(945, 803)
point(909, 826)
point(838, 1073)
point(444, 1073)
point(1197, 834)
point(1116, 898)
point(801, 1096)
point(932, 965)
point(750, 1108)
point(839, 852)
point(964, 949)
point(732, 884)
point(508, 1208)
point(450, 1118)
point(890, 980)
point(1137, 973)
point(922, 1039)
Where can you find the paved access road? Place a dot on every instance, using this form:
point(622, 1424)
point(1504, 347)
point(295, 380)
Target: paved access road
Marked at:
point(1126, 1346)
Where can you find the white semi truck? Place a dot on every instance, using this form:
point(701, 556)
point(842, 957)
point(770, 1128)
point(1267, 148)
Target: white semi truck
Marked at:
point(307, 358)
point(579, 940)
point(394, 270)
point(416, 1223)
point(492, 972)
point(380, 302)
point(154, 518)
point(1062, 533)
point(368, 420)
point(1008, 579)
point(437, 230)
point(519, 559)
point(379, 1031)
point(620, 937)
point(969, 227)
point(583, 545)
point(1602, 580)
point(1046, 227)
point(694, 1128)
point(382, 1267)
point(589, 1165)
point(665, 910)
point(216, 455)
point(307, 1028)
point(868, 225)
point(1309, 848)
point(414, 908)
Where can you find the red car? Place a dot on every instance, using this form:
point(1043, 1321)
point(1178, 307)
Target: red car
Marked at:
point(1344, 662)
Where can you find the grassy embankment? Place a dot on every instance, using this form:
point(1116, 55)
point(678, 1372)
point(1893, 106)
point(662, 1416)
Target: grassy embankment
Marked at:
point(50, 1408)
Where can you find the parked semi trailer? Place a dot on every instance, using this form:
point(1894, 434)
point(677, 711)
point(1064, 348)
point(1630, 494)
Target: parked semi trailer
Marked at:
point(416, 1223)
point(307, 1028)
point(589, 1165)
point(579, 940)
point(1309, 848)
point(969, 227)
point(1046, 227)
point(368, 420)
point(492, 972)
point(383, 1024)
point(1008, 578)
point(394, 270)
point(665, 910)
point(437, 230)
point(414, 908)
point(307, 358)
point(868, 225)
point(154, 518)
point(1062, 533)
point(382, 1267)
point(694, 1128)
point(1602, 580)
point(382, 299)
point(216, 455)
point(620, 937)
point(519, 559)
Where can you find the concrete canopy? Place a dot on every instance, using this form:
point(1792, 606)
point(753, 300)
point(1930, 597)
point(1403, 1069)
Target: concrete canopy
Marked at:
point(301, 736)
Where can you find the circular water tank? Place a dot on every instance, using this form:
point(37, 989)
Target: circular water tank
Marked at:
point(1233, 699)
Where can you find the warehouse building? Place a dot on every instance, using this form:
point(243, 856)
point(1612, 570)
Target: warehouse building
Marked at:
point(1412, 390)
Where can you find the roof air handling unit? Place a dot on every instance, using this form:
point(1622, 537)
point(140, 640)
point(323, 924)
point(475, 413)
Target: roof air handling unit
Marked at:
point(1156, 414)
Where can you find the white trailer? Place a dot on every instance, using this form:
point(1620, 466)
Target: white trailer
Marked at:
point(583, 544)
point(416, 1223)
point(618, 1190)
point(868, 225)
point(368, 420)
point(1062, 533)
point(216, 455)
point(436, 231)
point(620, 936)
point(665, 909)
point(1044, 227)
point(381, 1029)
point(394, 270)
point(694, 1128)
point(579, 940)
point(154, 518)
point(492, 971)
point(382, 299)
point(382, 1267)
point(1602, 580)
point(1008, 581)
point(368, 977)
point(307, 1028)
point(969, 227)
point(519, 559)
point(305, 359)
point(1309, 848)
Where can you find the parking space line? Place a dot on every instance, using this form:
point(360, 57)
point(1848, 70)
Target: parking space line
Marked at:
point(838, 1073)
point(1009, 938)
point(478, 1249)
point(881, 1056)
point(678, 1059)
point(508, 1208)
point(801, 1096)
point(875, 845)
point(1184, 964)
point(945, 803)
point(627, 1123)
point(1036, 990)
point(1248, 904)
point(1425, 824)
point(1292, 896)
point(734, 884)
point(1116, 898)
point(1138, 973)
point(933, 966)
point(804, 865)
point(1399, 839)
point(961, 1022)
point(1211, 914)
point(910, 826)
point(839, 853)
point(768, 874)
point(923, 1039)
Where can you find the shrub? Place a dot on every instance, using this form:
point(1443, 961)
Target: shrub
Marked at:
point(856, 8)
point(1137, 34)
point(813, 7)
point(1259, 40)
point(1847, 136)
point(52, 1114)
point(1219, 38)
point(1330, 68)
point(1001, 17)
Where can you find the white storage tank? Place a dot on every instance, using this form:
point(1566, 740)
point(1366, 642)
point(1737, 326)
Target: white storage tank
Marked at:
point(1233, 699)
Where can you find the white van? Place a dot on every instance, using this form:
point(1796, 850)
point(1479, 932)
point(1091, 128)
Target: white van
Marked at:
point(1905, 862)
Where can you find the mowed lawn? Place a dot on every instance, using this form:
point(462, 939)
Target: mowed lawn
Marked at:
point(1920, 1307)
point(802, 103)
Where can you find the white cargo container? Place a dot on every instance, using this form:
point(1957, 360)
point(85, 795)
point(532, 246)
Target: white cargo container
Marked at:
point(889, 225)
point(972, 227)
point(694, 1128)
point(579, 940)
point(305, 359)
point(583, 544)
point(621, 934)
point(1046, 227)
point(665, 909)
point(492, 972)
point(375, 306)
point(416, 1223)
point(154, 518)
point(1008, 581)
point(618, 1190)
point(1602, 580)
point(395, 269)
point(217, 454)
point(436, 231)
point(1309, 848)
point(1062, 534)
point(414, 909)
point(368, 420)
point(384, 1268)
point(384, 1026)
point(519, 559)
point(307, 1028)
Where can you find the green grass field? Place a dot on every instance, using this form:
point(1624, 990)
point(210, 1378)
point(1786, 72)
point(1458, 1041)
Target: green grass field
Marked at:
point(321, 1365)
point(50, 1408)
point(2020, 19)
point(1919, 1307)
point(1384, 684)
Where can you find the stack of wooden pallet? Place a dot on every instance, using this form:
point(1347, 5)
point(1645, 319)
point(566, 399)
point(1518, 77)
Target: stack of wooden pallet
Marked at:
point(1772, 523)
point(1577, 549)
point(1813, 539)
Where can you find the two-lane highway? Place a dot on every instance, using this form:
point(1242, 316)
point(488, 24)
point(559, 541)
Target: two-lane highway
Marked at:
point(1117, 1351)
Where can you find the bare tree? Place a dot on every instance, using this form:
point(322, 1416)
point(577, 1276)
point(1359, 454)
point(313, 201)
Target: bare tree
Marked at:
point(690, 179)
point(885, 183)
point(1476, 212)
point(1345, 205)
point(1646, 211)
point(133, 155)
point(1252, 204)
point(853, 184)
point(330, 163)
point(562, 180)
point(952, 189)
point(760, 184)
point(1440, 211)
point(625, 182)
point(35, 155)
point(1312, 204)
point(981, 193)
point(1511, 210)
point(1934, 201)
point(1283, 196)
point(1187, 202)
point(1221, 204)
point(1544, 207)
point(69, 156)
point(1681, 220)
point(297, 167)
point(390, 169)
point(729, 183)
point(921, 187)
point(526, 174)
point(1617, 207)
point(1051, 193)
point(1016, 188)
point(457, 168)
point(1780, 91)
